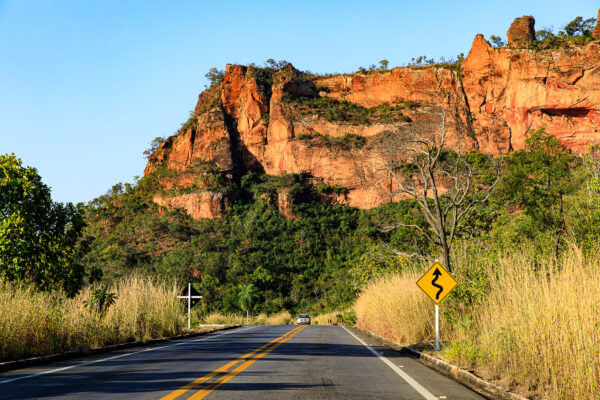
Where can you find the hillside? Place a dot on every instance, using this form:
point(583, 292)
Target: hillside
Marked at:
point(279, 176)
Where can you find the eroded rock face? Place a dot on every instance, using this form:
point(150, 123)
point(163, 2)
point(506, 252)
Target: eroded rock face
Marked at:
point(522, 31)
point(197, 205)
point(250, 123)
point(511, 91)
point(596, 33)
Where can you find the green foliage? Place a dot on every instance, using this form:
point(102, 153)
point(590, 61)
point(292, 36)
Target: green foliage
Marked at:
point(454, 64)
point(101, 301)
point(384, 64)
point(334, 110)
point(346, 318)
point(538, 177)
point(247, 297)
point(38, 238)
point(497, 41)
point(538, 180)
point(347, 141)
point(214, 76)
point(578, 31)
point(324, 89)
point(332, 189)
point(578, 27)
point(154, 145)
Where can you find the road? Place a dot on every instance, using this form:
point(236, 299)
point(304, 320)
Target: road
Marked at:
point(251, 362)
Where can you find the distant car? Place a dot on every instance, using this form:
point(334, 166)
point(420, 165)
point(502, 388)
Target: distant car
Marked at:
point(303, 319)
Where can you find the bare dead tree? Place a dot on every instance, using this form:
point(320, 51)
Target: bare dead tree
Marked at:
point(420, 165)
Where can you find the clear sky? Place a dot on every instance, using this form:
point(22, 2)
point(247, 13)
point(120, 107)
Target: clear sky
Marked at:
point(86, 85)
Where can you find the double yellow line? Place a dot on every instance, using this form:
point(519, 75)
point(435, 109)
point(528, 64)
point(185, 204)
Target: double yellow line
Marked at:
point(249, 359)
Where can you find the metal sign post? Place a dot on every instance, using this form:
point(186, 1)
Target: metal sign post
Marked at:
point(437, 327)
point(192, 299)
point(437, 283)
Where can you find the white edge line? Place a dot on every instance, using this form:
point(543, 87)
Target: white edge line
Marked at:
point(416, 385)
point(120, 355)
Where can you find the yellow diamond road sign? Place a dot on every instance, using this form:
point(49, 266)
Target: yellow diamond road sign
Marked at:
point(437, 283)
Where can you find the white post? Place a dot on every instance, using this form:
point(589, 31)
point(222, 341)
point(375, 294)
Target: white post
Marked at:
point(437, 327)
point(190, 303)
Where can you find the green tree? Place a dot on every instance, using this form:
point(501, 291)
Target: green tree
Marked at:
point(497, 41)
point(247, 297)
point(384, 64)
point(538, 178)
point(578, 27)
point(154, 145)
point(38, 238)
point(214, 76)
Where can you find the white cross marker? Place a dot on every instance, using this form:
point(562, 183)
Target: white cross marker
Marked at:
point(189, 298)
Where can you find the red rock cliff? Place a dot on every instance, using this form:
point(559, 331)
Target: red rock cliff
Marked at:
point(249, 123)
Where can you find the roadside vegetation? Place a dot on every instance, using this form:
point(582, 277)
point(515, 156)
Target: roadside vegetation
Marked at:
point(529, 323)
point(34, 322)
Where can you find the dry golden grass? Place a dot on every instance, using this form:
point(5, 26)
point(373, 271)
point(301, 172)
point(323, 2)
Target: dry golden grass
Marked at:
point(541, 326)
point(281, 318)
point(35, 323)
point(325, 319)
point(224, 319)
point(396, 308)
point(536, 333)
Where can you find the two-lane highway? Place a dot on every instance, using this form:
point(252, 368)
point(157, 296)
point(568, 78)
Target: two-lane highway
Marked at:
point(256, 362)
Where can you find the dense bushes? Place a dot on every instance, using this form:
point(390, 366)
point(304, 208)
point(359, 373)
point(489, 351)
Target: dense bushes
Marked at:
point(334, 110)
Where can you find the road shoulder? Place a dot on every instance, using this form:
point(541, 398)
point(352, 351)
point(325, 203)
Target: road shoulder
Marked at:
point(68, 355)
point(462, 376)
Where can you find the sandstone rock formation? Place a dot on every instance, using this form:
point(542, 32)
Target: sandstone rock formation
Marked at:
point(511, 91)
point(522, 31)
point(197, 205)
point(272, 123)
point(596, 33)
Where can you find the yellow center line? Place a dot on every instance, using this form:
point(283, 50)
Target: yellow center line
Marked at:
point(202, 393)
point(225, 368)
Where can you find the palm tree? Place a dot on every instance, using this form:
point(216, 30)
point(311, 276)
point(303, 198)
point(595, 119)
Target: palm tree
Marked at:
point(247, 296)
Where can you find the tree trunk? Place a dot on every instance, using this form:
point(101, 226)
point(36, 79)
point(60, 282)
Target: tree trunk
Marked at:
point(446, 258)
point(247, 317)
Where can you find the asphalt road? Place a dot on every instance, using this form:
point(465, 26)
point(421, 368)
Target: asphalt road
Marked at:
point(254, 362)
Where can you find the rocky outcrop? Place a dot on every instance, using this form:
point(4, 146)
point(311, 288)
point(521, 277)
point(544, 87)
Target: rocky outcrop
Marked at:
point(521, 32)
point(596, 33)
point(197, 205)
point(287, 122)
point(512, 91)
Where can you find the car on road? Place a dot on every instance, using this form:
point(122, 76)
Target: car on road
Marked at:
point(303, 319)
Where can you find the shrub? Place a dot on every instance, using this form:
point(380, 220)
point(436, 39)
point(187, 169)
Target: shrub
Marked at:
point(334, 110)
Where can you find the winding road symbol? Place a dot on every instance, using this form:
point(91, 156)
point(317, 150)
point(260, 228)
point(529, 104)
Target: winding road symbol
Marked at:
point(437, 283)
point(437, 274)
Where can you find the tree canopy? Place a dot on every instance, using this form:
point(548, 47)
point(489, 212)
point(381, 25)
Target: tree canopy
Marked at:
point(38, 237)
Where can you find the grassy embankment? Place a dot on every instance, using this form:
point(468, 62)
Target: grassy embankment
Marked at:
point(40, 323)
point(535, 329)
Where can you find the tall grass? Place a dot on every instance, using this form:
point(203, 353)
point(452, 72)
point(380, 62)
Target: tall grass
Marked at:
point(541, 325)
point(329, 318)
point(395, 308)
point(39, 323)
point(281, 318)
point(535, 331)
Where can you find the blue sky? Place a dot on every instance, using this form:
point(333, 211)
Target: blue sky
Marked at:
point(86, 85)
